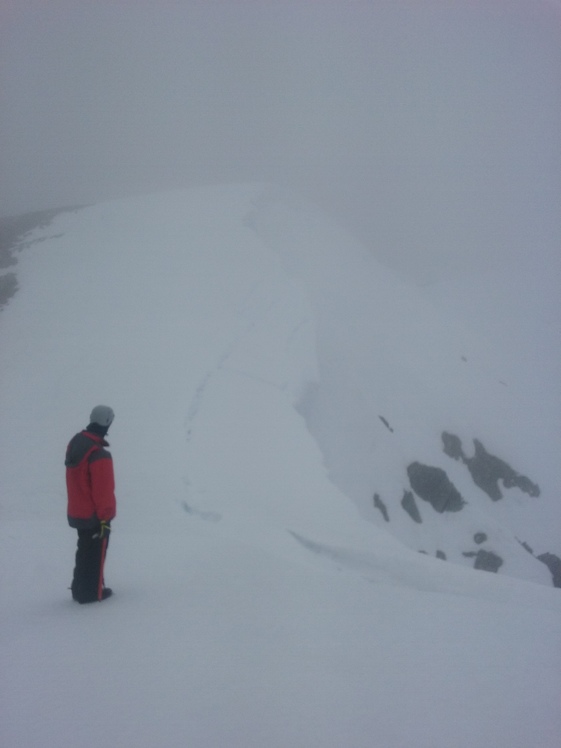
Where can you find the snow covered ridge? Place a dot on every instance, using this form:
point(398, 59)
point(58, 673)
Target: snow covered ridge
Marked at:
point(269, 379)
point(12, 233)
point(193, 312)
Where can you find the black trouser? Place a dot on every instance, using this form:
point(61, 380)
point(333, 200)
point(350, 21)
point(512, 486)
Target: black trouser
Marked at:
point(88, 572)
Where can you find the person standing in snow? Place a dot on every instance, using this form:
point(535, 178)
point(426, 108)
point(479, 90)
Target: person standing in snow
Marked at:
point(90, 485)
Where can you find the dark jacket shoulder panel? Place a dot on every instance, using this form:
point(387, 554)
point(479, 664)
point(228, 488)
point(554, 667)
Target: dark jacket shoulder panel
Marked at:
point(80, 445)
point(99, 454)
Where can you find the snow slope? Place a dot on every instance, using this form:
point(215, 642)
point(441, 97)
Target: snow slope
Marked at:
point(248, 348)
point(394, 373)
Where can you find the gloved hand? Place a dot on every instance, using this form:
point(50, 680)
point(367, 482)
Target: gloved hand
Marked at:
point(104, 530)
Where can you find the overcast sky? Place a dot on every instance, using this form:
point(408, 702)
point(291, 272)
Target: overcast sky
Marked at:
point(448, 111)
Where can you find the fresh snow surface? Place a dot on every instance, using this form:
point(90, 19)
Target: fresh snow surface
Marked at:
point(248, 347)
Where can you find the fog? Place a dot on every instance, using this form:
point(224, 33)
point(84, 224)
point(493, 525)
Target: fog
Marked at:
point(430, 129)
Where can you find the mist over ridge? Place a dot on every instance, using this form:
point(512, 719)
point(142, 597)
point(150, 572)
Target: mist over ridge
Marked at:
point(430, 130)
point(426, 127)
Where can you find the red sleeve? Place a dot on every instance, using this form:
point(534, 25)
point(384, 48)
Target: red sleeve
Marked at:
point(103, 487)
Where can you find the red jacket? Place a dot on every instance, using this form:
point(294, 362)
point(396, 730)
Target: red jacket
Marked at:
point(89, 481)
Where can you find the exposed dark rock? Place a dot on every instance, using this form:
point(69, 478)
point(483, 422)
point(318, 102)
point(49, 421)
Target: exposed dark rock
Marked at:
point(8, 287)
point(487, 470)
point(7, 258)
point(553, 563)
point(521, 482)
point(433, 485)
point(452, 446)
point(386, 424)
point(14, 228)
point(441, 555)
point(379, 504)
point(410, 506)
point(480, 537)
point(526, 546)
point(12, 239)
point(486, 560)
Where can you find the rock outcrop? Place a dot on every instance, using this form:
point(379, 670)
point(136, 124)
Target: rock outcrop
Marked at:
point(433, 485)
point(486, 560)
point(487, 470)
point(408, 503)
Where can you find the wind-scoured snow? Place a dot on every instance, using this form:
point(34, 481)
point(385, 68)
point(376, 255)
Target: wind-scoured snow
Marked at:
point(250, 350)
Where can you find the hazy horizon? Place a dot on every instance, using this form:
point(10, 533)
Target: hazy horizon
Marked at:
point(409, 120)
